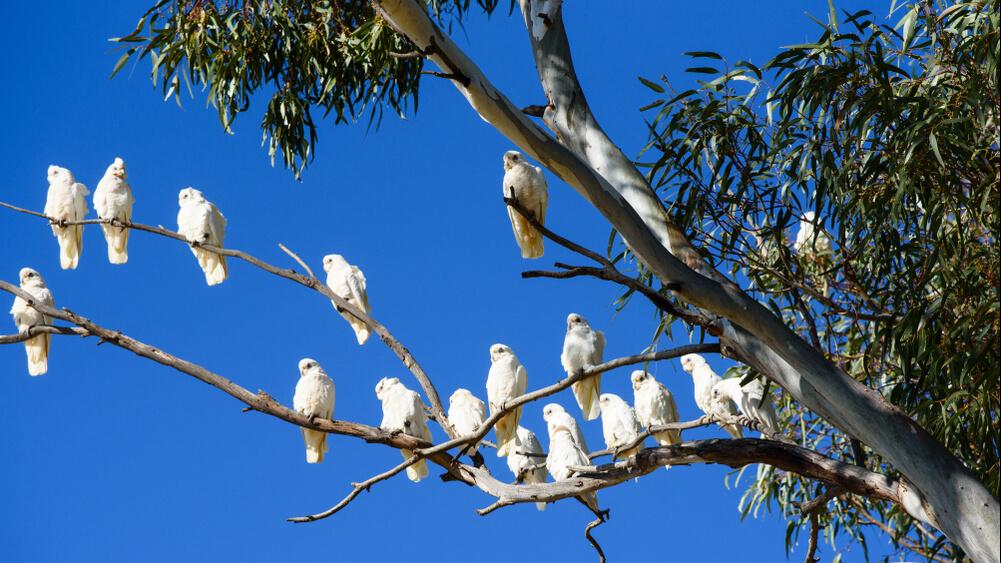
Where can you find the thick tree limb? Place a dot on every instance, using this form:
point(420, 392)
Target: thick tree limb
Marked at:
point(963, 507)
point(309, 281)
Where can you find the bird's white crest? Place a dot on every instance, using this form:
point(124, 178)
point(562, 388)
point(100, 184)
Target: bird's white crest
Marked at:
point(384, 385)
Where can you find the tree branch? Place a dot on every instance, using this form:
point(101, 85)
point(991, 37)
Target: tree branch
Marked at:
point(42, 329)
point(964, 509)
point(309, 281)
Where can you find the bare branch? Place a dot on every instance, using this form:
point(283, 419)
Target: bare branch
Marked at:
point(297, 259)
point(309, 281)
point(42, 329)
point(356, 489)
point(587, 534)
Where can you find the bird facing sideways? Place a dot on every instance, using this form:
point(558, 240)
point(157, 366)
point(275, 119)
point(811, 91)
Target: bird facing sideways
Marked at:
point(403, 411)
point(201, 222)
point(705, 379)
point(348, 282)
point(526, 184)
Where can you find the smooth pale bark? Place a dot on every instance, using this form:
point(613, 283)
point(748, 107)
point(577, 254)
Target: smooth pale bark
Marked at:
point(588, 161)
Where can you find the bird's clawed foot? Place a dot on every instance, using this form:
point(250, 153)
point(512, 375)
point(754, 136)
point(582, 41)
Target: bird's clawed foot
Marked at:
point(604, 515)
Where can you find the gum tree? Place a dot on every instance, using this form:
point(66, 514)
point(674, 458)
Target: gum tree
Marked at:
point(885, 347)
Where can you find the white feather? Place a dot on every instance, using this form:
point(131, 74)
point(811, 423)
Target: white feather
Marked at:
point(25, 317)
point(314, 397)
point(348, 282)
point(467, 413)
point(403, 411)
point(705, 379)
point(199, 220)
point(619, 424)
point(583, 347)
point(527, 184)
point(529, 469)
point(506, 380)
point(66, 200)
point(113, 200)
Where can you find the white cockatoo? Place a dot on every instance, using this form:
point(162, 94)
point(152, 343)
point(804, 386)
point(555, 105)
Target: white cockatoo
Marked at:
point(528, 461)
point(201, 222)
point(66, 201)
point(583, 347)
point(543, 14)
point(348, 283)
point(403, 411)
point(314, 397)
point(554, 413)
point(527, 184)
point(113, 200)
point(655, 406)
point(619, 425)
point(564, 452)
point(751, 400)
point(467, 414)
point(506, 380)
point(705, 379)
point(811, 240)
point(26, 317)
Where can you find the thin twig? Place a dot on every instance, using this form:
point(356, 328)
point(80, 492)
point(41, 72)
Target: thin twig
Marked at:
point(357, 488)
point(42, 329)
point(587, 534)
point(297, 259)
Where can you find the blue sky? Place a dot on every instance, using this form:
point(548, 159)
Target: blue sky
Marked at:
point(110, 457)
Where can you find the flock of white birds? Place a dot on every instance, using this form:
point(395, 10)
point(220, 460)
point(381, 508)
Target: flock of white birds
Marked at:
point(201, 223)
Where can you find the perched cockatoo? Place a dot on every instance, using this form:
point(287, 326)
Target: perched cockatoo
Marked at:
point(583, 347)
point(543, 14)
point(554, 413)
point(564, 452)
point(26, 317)
point(348, 283)
point(506, 380)
point(314, 397)
point(705, 379)
point(655, 406)
point(619, 424)
point(201, 222)
point(403, 411)
point(467, 413)
point(113, 200)
point(751, 400)
point(527, 184)
point(811, 240)
point(66, 201)
point(528, 461)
